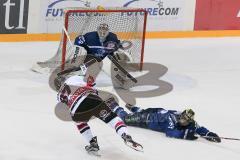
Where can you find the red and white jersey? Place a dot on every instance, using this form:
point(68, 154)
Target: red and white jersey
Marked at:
point(74, 91)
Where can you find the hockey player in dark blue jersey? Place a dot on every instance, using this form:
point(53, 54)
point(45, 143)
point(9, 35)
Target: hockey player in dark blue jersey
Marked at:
point(171, 122)
point(99, 43)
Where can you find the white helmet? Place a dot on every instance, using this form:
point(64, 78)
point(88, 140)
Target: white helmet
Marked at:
point(103, 31)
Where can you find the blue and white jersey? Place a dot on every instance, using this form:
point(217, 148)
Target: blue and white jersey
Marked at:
point(90, 41)
point(161, 120)
point(166, 121)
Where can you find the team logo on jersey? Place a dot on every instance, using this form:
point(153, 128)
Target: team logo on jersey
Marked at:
point(103, 113)
point(111, 45)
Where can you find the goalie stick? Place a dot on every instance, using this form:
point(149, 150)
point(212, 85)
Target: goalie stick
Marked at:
point(73, 69)
point(92, 61)
point(115, 62)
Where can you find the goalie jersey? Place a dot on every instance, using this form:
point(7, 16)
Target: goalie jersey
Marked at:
point(91, 43)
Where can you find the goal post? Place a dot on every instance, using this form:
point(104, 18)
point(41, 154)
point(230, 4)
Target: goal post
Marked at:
point(129, 24)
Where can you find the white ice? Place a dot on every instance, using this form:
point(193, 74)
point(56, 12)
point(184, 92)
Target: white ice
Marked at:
point(204, 72)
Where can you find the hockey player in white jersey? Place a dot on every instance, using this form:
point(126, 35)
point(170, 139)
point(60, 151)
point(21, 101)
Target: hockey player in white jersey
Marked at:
point(83, 101)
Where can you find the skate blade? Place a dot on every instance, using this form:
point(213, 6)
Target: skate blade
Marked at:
point(94, 153)
point(136, 147)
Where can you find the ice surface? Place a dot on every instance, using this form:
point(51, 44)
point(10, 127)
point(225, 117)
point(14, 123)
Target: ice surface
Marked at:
point(205, 74)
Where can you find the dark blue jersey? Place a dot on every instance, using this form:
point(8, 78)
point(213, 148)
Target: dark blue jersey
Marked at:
point(90, 41)
point(161, 120)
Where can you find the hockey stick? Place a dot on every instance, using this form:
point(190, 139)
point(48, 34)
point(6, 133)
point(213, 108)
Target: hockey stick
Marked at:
point(227, 138)
point(122, 69)
point(73, 69)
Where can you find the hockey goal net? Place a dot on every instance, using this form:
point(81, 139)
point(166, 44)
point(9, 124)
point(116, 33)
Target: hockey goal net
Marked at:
point(128, 24)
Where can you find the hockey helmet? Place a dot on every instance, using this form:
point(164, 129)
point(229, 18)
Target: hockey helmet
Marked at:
point(103, 31)
point(186, 117)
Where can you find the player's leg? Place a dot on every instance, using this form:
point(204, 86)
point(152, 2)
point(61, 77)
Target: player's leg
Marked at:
point(80, 115)
point(121, 78)
point(112, 120)
point(99, 109)
point(86, 132)
point(93, 105)
point(133, 108)
point(114, 106)
point(138, 119)
point(117, 123)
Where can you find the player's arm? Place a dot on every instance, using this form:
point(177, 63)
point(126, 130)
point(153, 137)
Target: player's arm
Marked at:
point(80, 41)
point(112, 44)
point(121, 53)
point(205, 133)
point(121, 45)
point(115, 39)
point(175, 132)
point(181, 134)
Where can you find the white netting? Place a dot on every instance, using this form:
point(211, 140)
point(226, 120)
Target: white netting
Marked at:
point(128, 24)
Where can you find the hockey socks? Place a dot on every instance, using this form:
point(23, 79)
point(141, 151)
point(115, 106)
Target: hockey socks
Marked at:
point(118, 125)
point(85, 131)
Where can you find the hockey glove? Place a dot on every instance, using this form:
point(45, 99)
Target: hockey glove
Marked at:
point(190, 135)
point(213, 137)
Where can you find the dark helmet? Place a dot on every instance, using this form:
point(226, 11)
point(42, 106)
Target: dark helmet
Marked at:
point(186, 117)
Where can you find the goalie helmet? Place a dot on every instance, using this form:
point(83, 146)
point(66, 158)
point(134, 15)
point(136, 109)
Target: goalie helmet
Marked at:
point(103, 31)
point(186, 117)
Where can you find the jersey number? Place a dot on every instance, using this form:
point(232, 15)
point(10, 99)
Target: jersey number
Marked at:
point(81, 40)
point(64, 94)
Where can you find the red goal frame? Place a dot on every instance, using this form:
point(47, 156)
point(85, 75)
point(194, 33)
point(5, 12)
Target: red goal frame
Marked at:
point(110, 10)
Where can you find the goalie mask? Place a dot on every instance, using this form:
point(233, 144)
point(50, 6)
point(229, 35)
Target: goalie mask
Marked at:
point(186, 117)
point(103, 31)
